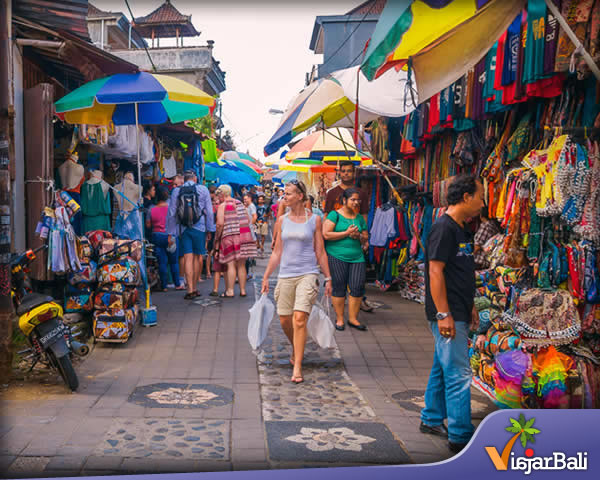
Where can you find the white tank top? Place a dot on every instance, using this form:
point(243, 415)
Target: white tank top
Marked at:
point(298, 257)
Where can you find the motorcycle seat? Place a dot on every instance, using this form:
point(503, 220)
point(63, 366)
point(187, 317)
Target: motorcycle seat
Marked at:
point(31, 301)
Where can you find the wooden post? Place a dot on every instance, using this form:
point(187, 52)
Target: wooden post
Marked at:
point(6, 159)
point(177, 37)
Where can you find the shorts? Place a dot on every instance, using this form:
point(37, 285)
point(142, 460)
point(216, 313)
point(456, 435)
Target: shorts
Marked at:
point(262, 228)
point(296, 294)
point(347, 276)
point(193, 241)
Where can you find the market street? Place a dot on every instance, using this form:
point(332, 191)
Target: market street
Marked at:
point(131, 415)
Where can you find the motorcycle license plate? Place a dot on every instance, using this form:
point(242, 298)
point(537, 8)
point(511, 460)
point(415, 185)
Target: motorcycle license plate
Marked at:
point(51, 337)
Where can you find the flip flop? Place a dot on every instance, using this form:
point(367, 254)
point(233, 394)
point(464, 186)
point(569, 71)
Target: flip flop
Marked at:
point(243, 295)
point(189, 296)
point(213, 294)
point(297, 380)
point(226, 296)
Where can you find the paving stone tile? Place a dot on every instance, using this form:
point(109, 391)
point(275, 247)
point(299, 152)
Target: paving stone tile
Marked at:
point(102, 462)
point(333, 442)
point(74, 463)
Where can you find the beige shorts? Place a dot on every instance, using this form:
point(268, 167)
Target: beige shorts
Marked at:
point(296, 294)
point(262, 228)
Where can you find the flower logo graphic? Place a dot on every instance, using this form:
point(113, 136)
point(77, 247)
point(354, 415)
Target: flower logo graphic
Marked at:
point(322, 440)
point(182, 396)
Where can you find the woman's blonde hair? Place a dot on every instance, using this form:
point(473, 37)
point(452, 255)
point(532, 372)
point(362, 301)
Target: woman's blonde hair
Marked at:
point(225, 190)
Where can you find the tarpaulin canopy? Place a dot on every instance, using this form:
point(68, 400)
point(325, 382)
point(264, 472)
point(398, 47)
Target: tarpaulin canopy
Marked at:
point(442, 38)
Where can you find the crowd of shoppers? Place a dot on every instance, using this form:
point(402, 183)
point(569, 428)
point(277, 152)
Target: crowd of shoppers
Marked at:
point(231, 228)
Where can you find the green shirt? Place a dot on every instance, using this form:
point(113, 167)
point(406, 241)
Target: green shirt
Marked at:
point(346, 249)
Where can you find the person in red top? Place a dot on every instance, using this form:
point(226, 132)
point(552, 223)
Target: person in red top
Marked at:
point(164, 244)
point(333, 201)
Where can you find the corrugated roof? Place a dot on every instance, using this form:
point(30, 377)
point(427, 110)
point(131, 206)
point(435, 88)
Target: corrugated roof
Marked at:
point(67, 15)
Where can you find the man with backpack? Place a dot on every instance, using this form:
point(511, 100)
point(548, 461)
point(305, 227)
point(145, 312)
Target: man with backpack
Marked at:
point(190, 218)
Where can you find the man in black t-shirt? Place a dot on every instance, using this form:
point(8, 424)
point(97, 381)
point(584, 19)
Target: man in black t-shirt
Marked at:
point(449, 305)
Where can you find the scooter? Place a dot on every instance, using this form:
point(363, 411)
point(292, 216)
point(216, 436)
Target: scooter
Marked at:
point(40, 319)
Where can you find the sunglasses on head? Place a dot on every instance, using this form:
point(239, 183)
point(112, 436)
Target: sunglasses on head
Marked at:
point(298, 184)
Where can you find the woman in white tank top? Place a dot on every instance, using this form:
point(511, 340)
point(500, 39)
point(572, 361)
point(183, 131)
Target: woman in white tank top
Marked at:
point(300, 250)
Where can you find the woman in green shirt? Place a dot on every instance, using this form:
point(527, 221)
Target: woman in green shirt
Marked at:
point(345, 232)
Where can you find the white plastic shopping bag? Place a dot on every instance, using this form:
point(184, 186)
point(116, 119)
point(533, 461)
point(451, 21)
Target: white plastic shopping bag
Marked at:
point(319, 325)
point(261, 315)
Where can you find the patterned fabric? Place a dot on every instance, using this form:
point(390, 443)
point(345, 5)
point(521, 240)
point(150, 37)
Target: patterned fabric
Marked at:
point(236, 239)
point(97, 237)
point(547, 318)
point(114, 325)
point(112, 249)
point(115, 297)
point(124, 271)
point(486, 231)
point(86, 275)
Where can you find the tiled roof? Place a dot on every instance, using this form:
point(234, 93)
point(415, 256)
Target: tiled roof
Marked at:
point(94, 11)
point(166, 13)
point(363, 8)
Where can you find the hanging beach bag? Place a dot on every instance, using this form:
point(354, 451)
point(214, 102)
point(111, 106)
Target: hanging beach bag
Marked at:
point(125, 271)
point(115, 297)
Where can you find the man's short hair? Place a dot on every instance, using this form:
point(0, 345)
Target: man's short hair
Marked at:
point(189, 175)
point(464, 183)
point(347, 163)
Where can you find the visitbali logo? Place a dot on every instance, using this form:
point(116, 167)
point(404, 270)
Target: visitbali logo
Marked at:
point(523, 430)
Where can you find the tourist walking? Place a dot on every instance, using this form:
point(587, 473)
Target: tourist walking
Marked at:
point(345, 232)
point(334, 201)
point(262, 224)
point(190, 218)
point(252, 215)
point(299, 232)
point(449, 305)
point(165, 246)
point(233, 241)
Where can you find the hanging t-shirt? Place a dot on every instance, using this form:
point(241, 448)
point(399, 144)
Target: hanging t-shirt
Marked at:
point(535, 39)
point(511, 49)
point(551, 40)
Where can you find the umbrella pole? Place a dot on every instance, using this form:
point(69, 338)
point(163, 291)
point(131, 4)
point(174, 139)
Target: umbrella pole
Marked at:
point(148, 313)
point(356, 109)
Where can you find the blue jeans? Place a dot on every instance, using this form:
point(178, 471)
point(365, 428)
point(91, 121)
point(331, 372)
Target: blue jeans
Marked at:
point(165, 259)
point(448, 393)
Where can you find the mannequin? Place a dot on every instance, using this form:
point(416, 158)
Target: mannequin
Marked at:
point(95, 203)
point(71, 174)
point(130, 189)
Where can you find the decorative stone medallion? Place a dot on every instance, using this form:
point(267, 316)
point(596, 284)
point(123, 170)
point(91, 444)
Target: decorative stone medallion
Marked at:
point(414, 401)
point(181, 395)
point(166, 438)
point(333, 442)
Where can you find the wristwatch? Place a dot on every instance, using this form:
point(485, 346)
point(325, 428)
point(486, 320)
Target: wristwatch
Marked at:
point(327, 279)
point(441, 315)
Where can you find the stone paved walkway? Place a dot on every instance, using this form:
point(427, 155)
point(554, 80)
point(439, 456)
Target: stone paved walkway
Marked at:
point(190, 395)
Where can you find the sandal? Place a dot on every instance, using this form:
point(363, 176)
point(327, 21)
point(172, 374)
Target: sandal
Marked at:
point(180, 287)
point(223, 295)
point(297, 380)
point(190, 296)
point(213, 294)
point(243, 295)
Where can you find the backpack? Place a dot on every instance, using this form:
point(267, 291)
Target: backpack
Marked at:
point(188, 206)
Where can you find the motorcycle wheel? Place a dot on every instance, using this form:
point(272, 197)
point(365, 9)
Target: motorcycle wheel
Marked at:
point(66, 370)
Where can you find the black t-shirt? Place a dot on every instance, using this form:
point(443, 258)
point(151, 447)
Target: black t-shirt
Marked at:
point(448, 242)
